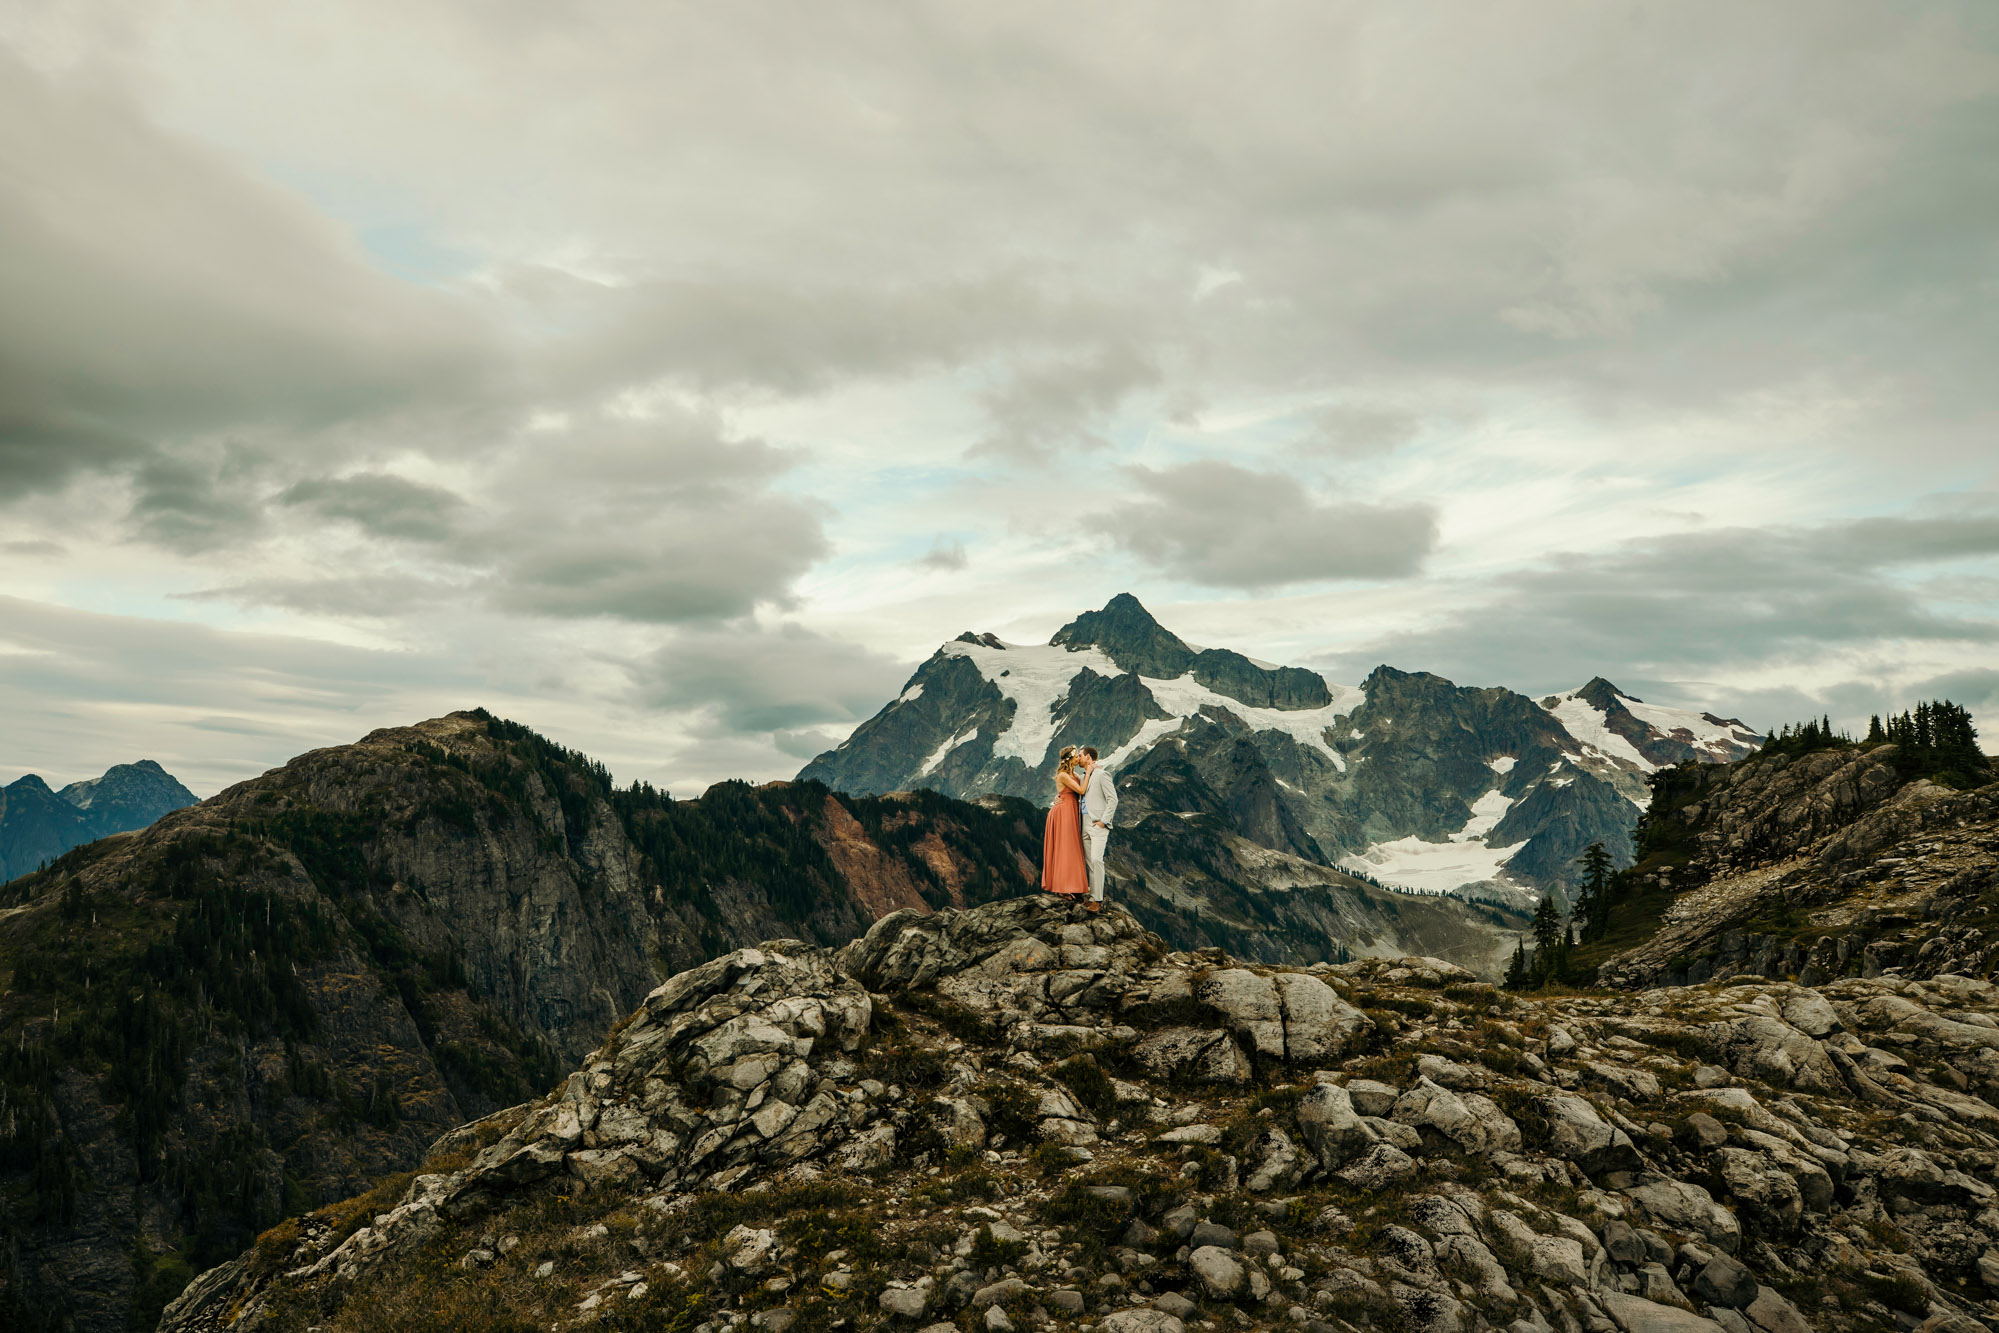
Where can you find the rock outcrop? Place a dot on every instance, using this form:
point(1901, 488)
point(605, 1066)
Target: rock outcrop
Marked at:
point(1812, 867)
point(1020, 1116)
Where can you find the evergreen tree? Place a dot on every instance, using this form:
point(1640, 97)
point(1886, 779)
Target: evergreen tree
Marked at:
point(1547, 924)
point(1516, 971)
point(1875, 736)
point(1593, 903)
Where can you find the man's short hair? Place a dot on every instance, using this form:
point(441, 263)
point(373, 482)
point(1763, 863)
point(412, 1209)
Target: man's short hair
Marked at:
point(1090, 750)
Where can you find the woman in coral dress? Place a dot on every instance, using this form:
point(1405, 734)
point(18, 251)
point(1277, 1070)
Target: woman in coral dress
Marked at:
point(1063, 869)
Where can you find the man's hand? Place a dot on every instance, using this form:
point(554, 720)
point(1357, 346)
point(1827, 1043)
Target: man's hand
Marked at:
point(1099, 823)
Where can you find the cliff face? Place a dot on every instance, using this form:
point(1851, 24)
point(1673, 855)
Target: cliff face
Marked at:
point(1811, 866)
point(1018, 1116)
point(263, 1002)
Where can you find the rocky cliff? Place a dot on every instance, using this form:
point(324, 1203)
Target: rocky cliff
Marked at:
point(1812, 866)
point(265, 1001)
point(38, 825)
point(1017, 1118)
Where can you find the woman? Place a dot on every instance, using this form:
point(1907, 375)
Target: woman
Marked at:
point(1063, 869)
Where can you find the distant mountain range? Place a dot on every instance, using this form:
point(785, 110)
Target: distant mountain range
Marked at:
point(1405, 778)
point(38, 824)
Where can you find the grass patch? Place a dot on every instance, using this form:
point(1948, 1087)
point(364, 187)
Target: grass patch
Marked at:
point(1090, 1084)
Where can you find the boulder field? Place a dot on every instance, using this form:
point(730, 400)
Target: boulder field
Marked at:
point(1018, 1116)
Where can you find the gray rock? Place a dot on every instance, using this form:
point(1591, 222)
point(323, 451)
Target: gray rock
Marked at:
point(1066, 1299)
point(1318, 1024)
point(906, 1302)
point(1686, 1207)
point(1192, 1054)
point(1260, 1243)
point(1773, 1314)
point(1766, 1195)
point(1278, 1163)
point(1175, 1304)
point(1331, 1127)
point(1141, 1320)
point(1179, 1222)
point(771, 1321)
point(1470, 1121)
point(1577, 1132)
point(1213, 1233)
point(1808, 1012)
point(1190, 1134)
point(1377, 1168)
point(1218, 1272)
point(1724, 1281)
point(748, 1249)
point(1006, 1289)
point(1703, 1131)
point(1635, 1314)
point(996, 1320)
point(1250, 1004)
point(1623, 1244)
point(1656, 1284)
point(1370, 1097)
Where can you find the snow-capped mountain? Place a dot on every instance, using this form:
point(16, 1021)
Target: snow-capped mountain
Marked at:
point(1407, 777)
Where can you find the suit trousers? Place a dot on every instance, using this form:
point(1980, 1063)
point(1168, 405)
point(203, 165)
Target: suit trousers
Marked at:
point(1094, 841)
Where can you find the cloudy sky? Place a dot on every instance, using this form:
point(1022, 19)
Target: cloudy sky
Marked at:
point(673, 377)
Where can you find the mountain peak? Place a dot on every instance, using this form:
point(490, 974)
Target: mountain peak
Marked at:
point(1600, 694)
point(1127, 634)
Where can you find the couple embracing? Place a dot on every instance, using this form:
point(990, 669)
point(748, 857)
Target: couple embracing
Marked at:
point(1079, 826)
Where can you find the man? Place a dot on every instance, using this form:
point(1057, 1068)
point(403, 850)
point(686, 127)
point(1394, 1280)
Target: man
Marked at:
point(1099, 809)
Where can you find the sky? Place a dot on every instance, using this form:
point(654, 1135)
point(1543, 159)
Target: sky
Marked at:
point(675, 377)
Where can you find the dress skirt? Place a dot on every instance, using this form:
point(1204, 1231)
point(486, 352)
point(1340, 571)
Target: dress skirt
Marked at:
point(1063, 869)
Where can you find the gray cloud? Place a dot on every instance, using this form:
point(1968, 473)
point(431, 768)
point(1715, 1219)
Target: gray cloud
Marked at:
point(1695, 605)
point(380, 503)
point(150, 292)
point(786, 680)
point(944, 557)
point(1349, 430)
point(1040, 407)
point(657, 521)
point(1227, 526)
point(195, 502)
point(83, 691)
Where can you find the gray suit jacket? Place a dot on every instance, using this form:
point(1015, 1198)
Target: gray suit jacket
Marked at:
point(1100, 799)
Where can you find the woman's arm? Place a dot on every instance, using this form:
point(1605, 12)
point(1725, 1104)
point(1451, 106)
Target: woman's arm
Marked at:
point(1067, 782)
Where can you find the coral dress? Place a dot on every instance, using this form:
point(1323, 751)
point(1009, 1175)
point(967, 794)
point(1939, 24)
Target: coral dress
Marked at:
point(1062, 867)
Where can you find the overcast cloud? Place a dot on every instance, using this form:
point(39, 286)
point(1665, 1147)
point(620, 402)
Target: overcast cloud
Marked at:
point(675, 377)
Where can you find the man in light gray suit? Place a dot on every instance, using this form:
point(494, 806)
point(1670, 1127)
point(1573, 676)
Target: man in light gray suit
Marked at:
point(1099, 810)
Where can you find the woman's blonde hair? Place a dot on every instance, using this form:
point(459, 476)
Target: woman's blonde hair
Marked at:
point(1065, 762)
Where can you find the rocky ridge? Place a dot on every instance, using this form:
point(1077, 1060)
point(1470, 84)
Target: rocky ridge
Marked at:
point(1812, 867)
point(1015, 1117)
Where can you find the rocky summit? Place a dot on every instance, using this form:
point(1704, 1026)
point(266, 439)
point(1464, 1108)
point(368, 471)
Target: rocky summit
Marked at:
point(1018, 1116)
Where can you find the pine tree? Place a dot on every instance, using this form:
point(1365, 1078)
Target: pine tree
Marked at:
point(1875, 736)
point(1593, 903)
point(1516, 971)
